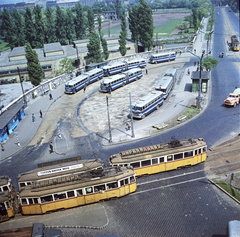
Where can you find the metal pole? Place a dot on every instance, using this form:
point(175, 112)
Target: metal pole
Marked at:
point(24, 99)
point(200, 84)
point(131, 115)
point(109, 124)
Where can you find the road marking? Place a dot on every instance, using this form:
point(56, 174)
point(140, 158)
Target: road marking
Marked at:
point(176, 176)
point(170, 185)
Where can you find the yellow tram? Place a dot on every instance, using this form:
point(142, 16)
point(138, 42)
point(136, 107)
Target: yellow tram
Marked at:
point(77, 189)
point(235, 43)
point(56, 169)
point(6, 198)
point(162, 157)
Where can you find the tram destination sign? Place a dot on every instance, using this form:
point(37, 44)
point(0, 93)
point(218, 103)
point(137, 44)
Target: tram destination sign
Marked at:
point(62, 169)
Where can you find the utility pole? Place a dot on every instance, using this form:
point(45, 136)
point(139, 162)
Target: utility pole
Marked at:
point(109, 124)
point(24, 99)
point(131, 115)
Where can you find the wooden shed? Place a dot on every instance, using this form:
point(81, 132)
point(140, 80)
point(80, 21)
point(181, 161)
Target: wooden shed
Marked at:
point(205, 76)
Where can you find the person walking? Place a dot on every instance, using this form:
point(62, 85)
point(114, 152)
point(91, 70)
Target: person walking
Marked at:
point(128, 126)
point(84, 89)
point(51, 147)
point(2, 146)
point(40, 112)
point(33, 118)
point(50, 96)
point(188, 72)
point(146, 71)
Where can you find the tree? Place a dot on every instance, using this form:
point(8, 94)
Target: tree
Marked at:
point(133, 23)
point(145, 25)
point(122, 36)
point(79, 22)
point(69, 26)
point(18, 29)
point(34, 68)
point(90, 16)
point(105, 49)
point(118, 8)
point(50, 35)
point(210, 63)
point(65, 66)
point(94, 51)
point(39, 26)
point(59, 23)
point(189, 18)
point(195, 19)
point(7, 28)
point(99, 26)
point(30, 32)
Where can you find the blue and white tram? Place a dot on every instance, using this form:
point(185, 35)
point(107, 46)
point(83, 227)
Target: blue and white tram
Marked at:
point(76, 84)
point(147, 104)
point(114, 69)
point(141, 62)
point(94, 75)
point(116, 81)
point(165, 85)
point(162, 57)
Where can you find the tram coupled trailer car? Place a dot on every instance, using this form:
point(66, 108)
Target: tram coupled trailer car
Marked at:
point(147, 104)
point(78, 189)
point(135, 63)
point(114, 68)
point(58, 169)
point(162, 157)
point(94, 75)
point(235, 43)
point(7, 196)
point(162, 57)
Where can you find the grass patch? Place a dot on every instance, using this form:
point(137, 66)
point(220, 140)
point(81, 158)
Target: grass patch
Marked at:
point(191, 112)
point(3, 45)
point(172, 10)
point(229, 189)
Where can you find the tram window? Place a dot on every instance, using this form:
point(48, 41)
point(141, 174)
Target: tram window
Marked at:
point(188, 154)
point(161, 159)
point(178, 156)
point(30, 200)
point(126, 181)
point(169, 158)
point(195, 152)
point(122, 183)
point(135, 164)
point(5, 188)
point(112, 185)
point(24, 201)
point(99, 188)
point(146, 162)
point(89, 190)
point(7, 204)
point(46, 199)
point(132, 179)
point(204, 149)
point(22, 185)
point(199, 151)
point(155, 161)
point(35, 200)
point(70, 194)
point(79, 192)
point(59, 196)
point(29, 183)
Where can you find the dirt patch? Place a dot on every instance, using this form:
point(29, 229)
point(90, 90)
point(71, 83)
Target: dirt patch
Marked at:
point(170, 15)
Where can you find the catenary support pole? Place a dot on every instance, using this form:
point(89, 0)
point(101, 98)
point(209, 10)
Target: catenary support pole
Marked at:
point(109, 124)
point(131, 115)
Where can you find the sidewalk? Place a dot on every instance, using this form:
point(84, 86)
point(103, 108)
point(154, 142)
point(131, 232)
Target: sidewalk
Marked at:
point(27, 129)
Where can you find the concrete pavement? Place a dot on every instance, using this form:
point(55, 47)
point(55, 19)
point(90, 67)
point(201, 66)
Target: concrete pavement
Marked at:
point(178, 100)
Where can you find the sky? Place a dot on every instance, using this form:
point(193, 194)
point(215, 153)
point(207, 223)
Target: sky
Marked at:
point(10, 1)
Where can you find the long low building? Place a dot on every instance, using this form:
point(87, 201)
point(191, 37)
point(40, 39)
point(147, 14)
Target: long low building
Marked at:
point(50, 57)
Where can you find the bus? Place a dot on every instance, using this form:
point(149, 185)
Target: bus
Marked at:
point(136, 63)
point(165, 85)
point(114, 69)
point(235, 43)
point(162, 157)
point(171, 72)
point(83, 80)
point(116, 81)
point(79, 189)
point(76, 84)
point(162, 57)
point(147, 104)
point(52, 171)
point(94, 75)
point(7, 196)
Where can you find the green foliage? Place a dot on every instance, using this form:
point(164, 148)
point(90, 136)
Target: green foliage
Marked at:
point(79, 22)
point(100, 26)
point(65, 66)
point(210, 63)
point(50, 35)
point(30, 31)
point(69, 26)
point(133, 22)
point(118, 8)
point(122, 36)
point(34, 68)
point(90, 16)
point(229, 189)
point(59, 23)
point(94, 51)
point(105, 49)
point(19, 35)
point(39, 27)
point(7, 28)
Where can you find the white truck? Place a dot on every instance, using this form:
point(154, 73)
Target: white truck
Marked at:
point(233, 98)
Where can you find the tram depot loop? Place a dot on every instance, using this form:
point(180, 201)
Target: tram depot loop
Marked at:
point(73, 182)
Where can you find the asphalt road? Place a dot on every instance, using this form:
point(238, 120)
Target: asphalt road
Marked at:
point(177, 206)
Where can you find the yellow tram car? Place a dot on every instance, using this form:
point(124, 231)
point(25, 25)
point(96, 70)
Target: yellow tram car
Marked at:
point(78, 189)
point(162, 157)
point(6, 199)
point(235, 43)
point(58, 168)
